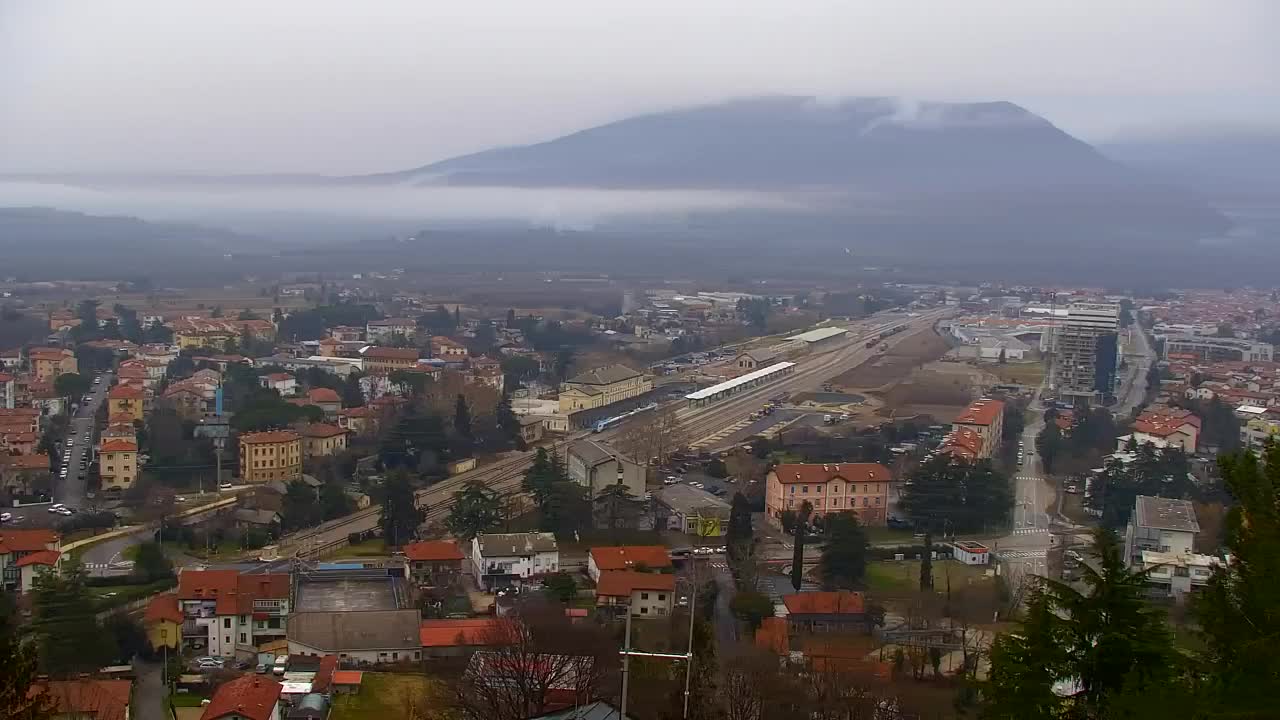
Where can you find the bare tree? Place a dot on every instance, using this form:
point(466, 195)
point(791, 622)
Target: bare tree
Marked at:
point(653, 437)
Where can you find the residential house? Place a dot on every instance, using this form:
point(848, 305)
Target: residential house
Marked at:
point(986, 418)
point(248, 697)
point(1257, 431)
point(326, 399)
point(15, 545)
point(25, 474)
point(384, 330)
point(321, 439)
point(45, 398)
point(386, 360)
point(1165, 427)
point(30, 566)
point(8, 391)
point(1163, 525)
point(283, 383)
point(603, 386)
point(827, 612)
point(595, 466)
point(448, 349)
point(118, 464)
point(11, 359)
point(963, 444)
point(434, 562)
point(531, 428)
point(271, 455)
point(358, 420)
point(126, 400)
point(19, 443)
point(228, 614)
point(455, 637)
point(163, 621)
point(647, 594)
point(862, 488)
point(502, 559)
point(1173, 575)
point(627, 557)
point(48, 363)
point(486, 372)
point(347, 333)
point(362, 637)
point(87, 698)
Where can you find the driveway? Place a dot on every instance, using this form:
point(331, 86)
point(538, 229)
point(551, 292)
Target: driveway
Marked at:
point(148, 692)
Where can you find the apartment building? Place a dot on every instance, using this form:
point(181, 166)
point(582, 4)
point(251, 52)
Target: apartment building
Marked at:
point(627, 557)
point(271, 455)
point(1086, 352)
point(126, 400)
point(861, 488)
point(8, 391)
point(645, 594)
point(502, 559)
point(118, 463)
point(22, 552)
point(321, 439)
point(1213, 349)
point(1257, 431)
point(48, 363)
point(384, 330)
point(226, 614)
point(384, 360)
point(1165, 427)
point(985, 418)
point(595, 466)
point(1163, 525)
point(447, 348)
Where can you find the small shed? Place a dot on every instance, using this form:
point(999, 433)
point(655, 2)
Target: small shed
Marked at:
point(347, 681)
point(461, 466)
point(970, 552)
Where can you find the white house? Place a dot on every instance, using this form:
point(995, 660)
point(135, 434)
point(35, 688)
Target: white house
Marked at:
point(1163, 525)
point(227, 612)
point(1174, 575)
point(378, 330)
point(502, 559)
point(283, 383)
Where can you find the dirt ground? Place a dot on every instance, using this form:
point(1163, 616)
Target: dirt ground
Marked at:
point(895, 364)
point(909, 380)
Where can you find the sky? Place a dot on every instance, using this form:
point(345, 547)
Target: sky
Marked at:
point(312, 86)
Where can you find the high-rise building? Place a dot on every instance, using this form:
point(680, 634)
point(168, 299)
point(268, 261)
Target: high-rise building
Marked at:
point(1086, 352)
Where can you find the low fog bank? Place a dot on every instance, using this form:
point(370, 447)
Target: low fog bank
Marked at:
point(336, 212)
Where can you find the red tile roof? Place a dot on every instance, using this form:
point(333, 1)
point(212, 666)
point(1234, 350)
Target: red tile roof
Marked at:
point(825, 603)
point(432, 550)
point(387, 353)
point(789, 473)
point(1163, 421)
point(772, 635)
point(621, 583)
point(15, 541)
point(270, 436)
point(42, 557)
point(324, 674)
point(347, 677)
point(207, 584)
point(249, 696)
point(97, 699)
point(125, 392)
point(119, 446)
point(322, 430)
point(26, 462)
point(356, 412)
point(626, 557)
point(163, 607)
point(456, 633)
point(982, 412)
point(323, 394)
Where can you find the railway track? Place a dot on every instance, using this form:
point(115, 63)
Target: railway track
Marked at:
point(505, 475)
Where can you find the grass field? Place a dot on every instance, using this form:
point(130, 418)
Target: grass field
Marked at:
point(186, 700)
point(1023, 373)
point(369, 548)
point(384, 696)
point(890, 577)
point(884, 535)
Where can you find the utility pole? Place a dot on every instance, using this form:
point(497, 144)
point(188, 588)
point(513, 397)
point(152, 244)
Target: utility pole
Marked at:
point(687, 656)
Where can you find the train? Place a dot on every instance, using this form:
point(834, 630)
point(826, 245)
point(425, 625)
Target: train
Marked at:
point(883, 332)
point(607, 423)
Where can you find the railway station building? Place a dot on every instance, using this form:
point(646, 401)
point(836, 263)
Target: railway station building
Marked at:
point(729, 388)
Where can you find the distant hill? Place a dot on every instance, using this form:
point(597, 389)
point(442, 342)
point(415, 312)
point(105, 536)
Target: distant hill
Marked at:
point(1219, 163)
point(796, 142)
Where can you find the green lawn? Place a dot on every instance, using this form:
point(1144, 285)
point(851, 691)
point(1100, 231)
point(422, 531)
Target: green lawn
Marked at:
point(221, 550)
point(893, 577)
point(369, 548)
point(385, 695)
point(884, 534)
point(109, 596)
point(185, 700)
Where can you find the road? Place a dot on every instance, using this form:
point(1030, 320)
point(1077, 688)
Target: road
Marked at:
point(1024, 551)
point(505, 474)
point(1133, 388)
point(70, 491)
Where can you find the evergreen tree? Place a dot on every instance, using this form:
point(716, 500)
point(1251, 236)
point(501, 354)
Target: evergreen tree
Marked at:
point(352, 395)
point(617, 507)
point(538, 479)
point(400, 515)
point(18, 670)
point(1025, 665)
point(64, 623)
point(476, 510)
point(507, 420)
point(797, 555)
point(926, 564)
point(739, 537)
point(844, 552)
point(298, 508)
point(511, 317)
point(334, 502)
point(462, 417)
point(150, 563)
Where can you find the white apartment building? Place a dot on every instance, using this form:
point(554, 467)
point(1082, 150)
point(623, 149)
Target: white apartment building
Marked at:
point(502, 559)
point(229, 614)
point(1176, 576)
point(1162, 525)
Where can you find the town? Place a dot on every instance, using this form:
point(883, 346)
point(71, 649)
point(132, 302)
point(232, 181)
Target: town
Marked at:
point(344, 498)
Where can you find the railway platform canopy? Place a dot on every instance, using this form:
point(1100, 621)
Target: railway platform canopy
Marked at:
point(819, 335)
point(755, 378)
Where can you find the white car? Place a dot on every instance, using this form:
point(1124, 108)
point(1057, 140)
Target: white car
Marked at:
point(226, 486)
point(54, 510)
point(6, 517)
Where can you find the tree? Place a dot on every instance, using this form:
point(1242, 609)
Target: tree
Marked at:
point(64, 624)
point(298, 508)
point(352, 394)
point(560, 587)
point(72, 385)
point(1237, 610)
point(462, 417)
point(1048, 444)
point(926, 564)
point(400, 515)
point(334, 501)
point(128, 637)
point(563, 362)
point(151, 564)
point(844, 553)
point(476, 510)
point(617, 507)
point(20, 699)
point(740, 540)
point(797, 555)
point(717, 469)
point(949, 495)
point(1025, 665)
point(751, 607)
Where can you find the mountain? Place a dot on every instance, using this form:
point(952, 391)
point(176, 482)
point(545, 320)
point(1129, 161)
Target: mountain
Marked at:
point(796, 142)
point(1219, 163)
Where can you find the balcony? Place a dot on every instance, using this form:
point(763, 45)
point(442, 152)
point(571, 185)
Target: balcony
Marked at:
point(192, 628)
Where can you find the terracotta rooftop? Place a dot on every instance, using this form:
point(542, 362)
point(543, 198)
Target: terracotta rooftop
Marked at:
point(119, 446)
point(789, 473)
point(270, 436)
point(323, 394)
point(163, 607)
point(456, 633)
point(982, 412)
point(322, 430)
point(16, 541)
point(252, 697)
point(825, 603)
point(42, 557)
point(621, 583)
point(626, 557)
point(96, 699)
point(125, 392)
point(434, 550)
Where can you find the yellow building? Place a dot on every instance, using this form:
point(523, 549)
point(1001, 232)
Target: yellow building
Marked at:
point(216, 339)
point(163, 621)
point(118, 464)
point(320, 439)
point(126, 400)
point(602, 386)
point(273, 455)
point(49, 363)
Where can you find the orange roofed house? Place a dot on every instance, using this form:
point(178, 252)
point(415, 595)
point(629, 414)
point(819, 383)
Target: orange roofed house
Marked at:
point(861, 488)
point(271, 455)
point(23, 553)
point(627, 557)
point(48, 363)
point(1165, 427)
point(384, 360)
point(647, 594)
point(126, 400)
point(88, 699)
point(986, 418)
point(248, 697)
point(320, 439)
point(827, 612)
point(434, 562)
point(226, 613)
point(118, 463)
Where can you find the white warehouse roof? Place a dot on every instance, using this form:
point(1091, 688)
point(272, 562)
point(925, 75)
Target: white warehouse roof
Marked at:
point(819, 334)
point(705, 393)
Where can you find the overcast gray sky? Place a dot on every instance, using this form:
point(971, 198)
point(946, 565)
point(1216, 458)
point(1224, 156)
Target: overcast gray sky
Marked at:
point(362, 86)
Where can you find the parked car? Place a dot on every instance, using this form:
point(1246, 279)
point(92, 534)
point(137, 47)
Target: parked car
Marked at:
point(5, 517)
point(226, 486)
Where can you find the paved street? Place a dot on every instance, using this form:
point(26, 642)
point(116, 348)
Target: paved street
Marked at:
point(1133, 387)
point(71, 490)
point(148, 691)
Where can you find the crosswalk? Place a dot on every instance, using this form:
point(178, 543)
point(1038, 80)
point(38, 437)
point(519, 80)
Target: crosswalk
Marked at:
point(1030, 531)
point(1022, 554)
point(720, 565)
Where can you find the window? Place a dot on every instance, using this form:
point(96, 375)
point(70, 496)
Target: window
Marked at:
point(877, 501)
point(644, 611)
point(644, 596)
point(226, 623)
point(805, 489)
point(226, 640)
point(164, 635)
point(662, 597)
point(835, 502)
point(793, 489)
point(662, 611)
point(395, 656)
point(243, 638)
